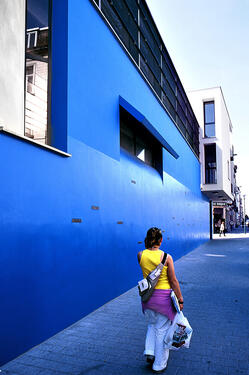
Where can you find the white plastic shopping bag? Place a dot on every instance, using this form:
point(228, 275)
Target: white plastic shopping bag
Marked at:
point(179, 333)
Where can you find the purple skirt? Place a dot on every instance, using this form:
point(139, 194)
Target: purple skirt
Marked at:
point(161, 302)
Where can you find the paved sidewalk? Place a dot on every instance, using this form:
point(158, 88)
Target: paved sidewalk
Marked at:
point(215, 283)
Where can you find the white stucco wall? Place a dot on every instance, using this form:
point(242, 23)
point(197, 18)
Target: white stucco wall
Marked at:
point(222, 136)
point(12, 62)
point(226, 145)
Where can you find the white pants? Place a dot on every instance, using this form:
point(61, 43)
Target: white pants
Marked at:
point(158, 325)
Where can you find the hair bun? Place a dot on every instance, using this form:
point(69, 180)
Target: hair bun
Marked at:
point(153, 237)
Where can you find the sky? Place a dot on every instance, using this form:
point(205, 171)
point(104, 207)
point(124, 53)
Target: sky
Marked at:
point(37, 13)
point(209, 46)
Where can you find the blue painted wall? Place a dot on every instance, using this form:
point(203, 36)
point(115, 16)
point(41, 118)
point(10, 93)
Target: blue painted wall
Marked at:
point(46, 259)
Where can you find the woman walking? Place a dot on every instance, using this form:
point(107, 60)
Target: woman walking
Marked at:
point(159, 310)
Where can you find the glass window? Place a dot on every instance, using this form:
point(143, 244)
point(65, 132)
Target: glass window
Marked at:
point(148, 35)
point(210, 164)
point(123, 23)
point(168, 91)
point(37, 70)
point(209, 119)
point(137, 140)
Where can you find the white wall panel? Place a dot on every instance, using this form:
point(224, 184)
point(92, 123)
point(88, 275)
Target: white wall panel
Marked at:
point(12, 60)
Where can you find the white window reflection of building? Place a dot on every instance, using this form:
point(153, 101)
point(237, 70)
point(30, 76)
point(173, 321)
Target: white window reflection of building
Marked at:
point(32, 38)
point(37, 61)
point(36, 106)
point(30, 78)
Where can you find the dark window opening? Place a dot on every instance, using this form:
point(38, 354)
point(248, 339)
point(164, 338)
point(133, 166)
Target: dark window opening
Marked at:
point(209, 119)
point(37, 96)
point(210, 164)
point(138, 141)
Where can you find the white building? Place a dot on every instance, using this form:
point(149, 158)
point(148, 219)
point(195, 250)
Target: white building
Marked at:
point(218, 172)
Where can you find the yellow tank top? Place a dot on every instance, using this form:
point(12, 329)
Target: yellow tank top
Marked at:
point(149, 260)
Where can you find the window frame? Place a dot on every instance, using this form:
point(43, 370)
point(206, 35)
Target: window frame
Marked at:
point(140, 135)
point(29, 64)
point(209, 123)
point(211, 168)
point(35, 32)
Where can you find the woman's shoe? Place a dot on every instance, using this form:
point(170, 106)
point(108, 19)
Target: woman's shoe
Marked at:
point(159, 371)
point(163, 369)
point(150, 358)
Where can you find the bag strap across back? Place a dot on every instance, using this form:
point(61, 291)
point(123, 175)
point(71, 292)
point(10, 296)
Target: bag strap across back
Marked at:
point(164, 258)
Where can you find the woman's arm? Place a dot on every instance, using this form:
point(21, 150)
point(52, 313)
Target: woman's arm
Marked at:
point(173, 280)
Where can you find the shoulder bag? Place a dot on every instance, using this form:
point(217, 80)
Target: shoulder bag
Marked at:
point(147, 285)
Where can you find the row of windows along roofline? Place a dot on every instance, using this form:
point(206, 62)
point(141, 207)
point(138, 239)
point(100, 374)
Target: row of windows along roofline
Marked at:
point(180, 110)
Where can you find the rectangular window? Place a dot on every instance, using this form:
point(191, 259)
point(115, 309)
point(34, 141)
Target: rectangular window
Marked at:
point(32, 39)
point(30, 78)
point(209, 119)
point(210, 164)
point(37, 70)
point(138, 141)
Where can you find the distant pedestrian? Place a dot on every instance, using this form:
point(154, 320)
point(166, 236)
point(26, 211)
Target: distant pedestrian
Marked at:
point(218, 224)
point(222, 228)
point(158, 310)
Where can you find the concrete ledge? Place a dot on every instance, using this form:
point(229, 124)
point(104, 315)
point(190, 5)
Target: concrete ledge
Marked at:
point(35, 143)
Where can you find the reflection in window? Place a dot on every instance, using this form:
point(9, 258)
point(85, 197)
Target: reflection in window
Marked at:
point(138, 141)
point(30, 78)
point(37, 70)
point(209, 119)
point(210, 164)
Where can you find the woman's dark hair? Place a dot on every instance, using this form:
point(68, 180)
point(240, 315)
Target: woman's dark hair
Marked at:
point(153, 237)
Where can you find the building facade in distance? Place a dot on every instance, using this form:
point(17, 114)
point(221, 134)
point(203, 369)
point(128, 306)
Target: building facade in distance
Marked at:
point(103, 147)
point(218, 171)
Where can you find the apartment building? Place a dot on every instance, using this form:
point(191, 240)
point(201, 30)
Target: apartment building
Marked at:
point(217, 157)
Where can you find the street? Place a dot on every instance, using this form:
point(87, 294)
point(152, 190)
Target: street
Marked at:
point(215, 281)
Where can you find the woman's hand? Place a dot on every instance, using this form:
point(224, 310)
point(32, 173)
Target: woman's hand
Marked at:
point(181, 305)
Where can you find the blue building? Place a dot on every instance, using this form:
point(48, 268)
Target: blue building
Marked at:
point(117, 153)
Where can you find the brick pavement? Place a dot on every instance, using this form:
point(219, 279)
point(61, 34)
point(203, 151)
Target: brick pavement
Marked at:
point(215, 281)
